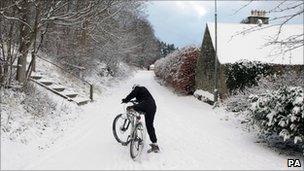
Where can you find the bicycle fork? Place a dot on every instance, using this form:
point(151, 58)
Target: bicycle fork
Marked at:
point(124, 127)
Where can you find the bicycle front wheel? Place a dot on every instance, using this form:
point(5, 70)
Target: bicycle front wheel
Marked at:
point(121, 128)
point(137, 142)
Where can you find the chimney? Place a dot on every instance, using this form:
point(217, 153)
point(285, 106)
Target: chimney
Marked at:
point(257, 17)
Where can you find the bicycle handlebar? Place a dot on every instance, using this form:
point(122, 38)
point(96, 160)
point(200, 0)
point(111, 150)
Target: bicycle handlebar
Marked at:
point(132, 101)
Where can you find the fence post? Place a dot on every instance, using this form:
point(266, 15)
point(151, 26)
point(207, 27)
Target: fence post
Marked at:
point(91, 92)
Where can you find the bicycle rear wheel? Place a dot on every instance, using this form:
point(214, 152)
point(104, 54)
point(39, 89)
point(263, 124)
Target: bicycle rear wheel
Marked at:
point(137, 142)
point(121, 129)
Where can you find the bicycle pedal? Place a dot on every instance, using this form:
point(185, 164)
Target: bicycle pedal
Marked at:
point(150, 151)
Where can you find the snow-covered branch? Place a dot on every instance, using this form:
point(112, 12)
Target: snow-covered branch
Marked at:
point(16, 19)
point(284, 12)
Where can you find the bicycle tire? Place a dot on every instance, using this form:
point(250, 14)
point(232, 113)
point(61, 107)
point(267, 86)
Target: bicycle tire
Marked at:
point(114, 126)
point(136, 140)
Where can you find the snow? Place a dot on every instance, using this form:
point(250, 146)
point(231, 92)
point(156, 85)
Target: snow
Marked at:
point(204, 94)
point(251, 46)
point(276, 108)
point(297, 139)
point(285, 134)
point(24, 132)
point(191, 135)
point(32, 122)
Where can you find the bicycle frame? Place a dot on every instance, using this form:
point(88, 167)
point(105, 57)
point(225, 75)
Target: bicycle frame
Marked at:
point(133, 118)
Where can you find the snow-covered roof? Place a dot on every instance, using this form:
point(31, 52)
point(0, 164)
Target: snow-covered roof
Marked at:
point(233, 47)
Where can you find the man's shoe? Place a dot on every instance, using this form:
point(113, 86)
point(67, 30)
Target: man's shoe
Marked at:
point(154, 148)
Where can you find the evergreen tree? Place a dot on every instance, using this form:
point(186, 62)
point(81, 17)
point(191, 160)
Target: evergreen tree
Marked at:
point(166, 48)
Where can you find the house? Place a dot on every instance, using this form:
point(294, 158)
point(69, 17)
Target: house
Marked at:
point(255, 17)
point(234, 46)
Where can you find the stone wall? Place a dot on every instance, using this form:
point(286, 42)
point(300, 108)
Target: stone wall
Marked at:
point(223, 90)
point(204, 77)
point(205, 65)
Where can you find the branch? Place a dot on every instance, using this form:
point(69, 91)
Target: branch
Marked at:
point(244, 6)
point(277, 6)
point(285, 9)
point(14, 4)
point(16, 19)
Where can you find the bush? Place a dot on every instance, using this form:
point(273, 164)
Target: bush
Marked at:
point(280, 112)
point(245, 73)
point(239, 102)
point(37, 103)
point(178, 69)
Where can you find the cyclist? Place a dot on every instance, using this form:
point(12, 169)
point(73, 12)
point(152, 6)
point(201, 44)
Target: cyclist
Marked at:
point(147, 105)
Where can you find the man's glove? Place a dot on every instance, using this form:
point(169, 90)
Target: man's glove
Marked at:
point(124, 101)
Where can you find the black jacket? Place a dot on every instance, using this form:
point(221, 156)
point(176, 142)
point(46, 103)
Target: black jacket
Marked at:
point(145, 100)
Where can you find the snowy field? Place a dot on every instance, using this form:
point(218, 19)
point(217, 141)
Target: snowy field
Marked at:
point(191, 135)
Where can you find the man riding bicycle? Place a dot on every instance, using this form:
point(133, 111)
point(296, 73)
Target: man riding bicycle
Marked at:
point(146, 104)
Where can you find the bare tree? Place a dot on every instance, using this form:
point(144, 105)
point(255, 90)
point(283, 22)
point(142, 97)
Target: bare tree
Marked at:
point(114, 36)
point(30, 19)
point(77, 34)
point(283, 12)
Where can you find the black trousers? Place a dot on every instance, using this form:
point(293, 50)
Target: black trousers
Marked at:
point(149, 108)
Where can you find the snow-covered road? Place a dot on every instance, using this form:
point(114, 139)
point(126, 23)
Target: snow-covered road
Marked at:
point(190, 134)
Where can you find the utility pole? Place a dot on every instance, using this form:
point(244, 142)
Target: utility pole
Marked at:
point(215, 59)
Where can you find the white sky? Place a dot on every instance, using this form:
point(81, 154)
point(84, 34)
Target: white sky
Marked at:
point(183, 22)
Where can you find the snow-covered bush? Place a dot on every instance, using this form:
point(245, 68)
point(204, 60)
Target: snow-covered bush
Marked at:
point(178, 69)
point(36, 102)
point(31, 114)
point(19, 110)
point(281, 112)
point(239, 101)
point(245, 73)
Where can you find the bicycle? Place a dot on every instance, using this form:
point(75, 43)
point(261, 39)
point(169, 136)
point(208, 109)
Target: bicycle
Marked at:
point(130, 126)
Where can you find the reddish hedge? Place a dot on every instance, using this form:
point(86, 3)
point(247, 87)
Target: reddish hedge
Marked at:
point(178, 69)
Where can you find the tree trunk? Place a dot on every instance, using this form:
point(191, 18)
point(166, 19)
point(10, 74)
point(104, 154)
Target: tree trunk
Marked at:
point(9, 50)
point(35, 33)
point(24, 42)
point(1, 61)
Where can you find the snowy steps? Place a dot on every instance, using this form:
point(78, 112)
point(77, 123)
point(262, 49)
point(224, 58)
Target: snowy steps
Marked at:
point(46, 82)
point(59, 89)
point(36, 77)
